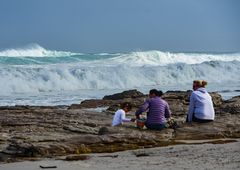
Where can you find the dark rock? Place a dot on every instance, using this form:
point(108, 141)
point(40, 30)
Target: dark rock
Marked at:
point(232, 105)
point(107, 130)
point(182, 95)
point(90, 124)
point(103, 131)
point(82, 129)
point(123, 95)
point(93, 103)
point(77, 157)
point(136, 103)
point(21, 149)
point(216, 98)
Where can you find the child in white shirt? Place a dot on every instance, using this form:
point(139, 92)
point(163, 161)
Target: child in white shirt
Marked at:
point(120, 114)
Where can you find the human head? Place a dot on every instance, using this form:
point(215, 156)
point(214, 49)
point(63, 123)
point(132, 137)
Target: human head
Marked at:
point(199, 83)
point(126, 106)
point(155, 92)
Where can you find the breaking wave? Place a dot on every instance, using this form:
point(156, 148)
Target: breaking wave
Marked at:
point(35, 69)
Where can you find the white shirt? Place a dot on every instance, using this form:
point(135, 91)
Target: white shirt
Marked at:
point(120, 117)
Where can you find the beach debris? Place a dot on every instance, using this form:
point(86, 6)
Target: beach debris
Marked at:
point(140, 153)
point(47, 166)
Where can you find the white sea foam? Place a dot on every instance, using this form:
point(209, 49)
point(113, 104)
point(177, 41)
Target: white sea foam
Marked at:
point(73, 77)
point(33, 50)
point(158, 58)
point(145, 58)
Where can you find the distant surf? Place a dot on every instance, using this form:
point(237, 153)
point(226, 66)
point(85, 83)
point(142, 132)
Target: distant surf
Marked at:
point(34, 71)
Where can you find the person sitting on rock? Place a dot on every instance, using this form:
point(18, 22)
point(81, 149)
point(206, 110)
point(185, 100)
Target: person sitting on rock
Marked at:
point(120, 114)
point(201, 105)
point(158, 111)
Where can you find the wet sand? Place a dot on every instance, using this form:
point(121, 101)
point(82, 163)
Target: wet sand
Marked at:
point(190, 156)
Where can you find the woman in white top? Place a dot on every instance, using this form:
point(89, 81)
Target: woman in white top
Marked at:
point(201, 105)
point(120, 115)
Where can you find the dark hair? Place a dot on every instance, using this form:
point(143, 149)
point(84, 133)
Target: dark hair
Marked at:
point(160, 93)
point(127, 105)
point(156, 92)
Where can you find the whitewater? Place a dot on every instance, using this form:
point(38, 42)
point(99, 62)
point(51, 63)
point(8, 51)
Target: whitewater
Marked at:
point(37, 76)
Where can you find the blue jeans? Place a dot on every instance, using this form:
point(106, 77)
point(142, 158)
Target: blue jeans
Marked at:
point(155, 126)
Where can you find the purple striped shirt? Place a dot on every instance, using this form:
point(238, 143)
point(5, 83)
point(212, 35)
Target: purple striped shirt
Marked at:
point(158, 110)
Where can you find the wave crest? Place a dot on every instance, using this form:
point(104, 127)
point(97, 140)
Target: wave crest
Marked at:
point(74, 77)
point(33, 50)
point(159, 58)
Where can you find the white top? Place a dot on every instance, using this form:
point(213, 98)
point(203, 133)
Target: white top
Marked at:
point(201, 105)
point(120, 117)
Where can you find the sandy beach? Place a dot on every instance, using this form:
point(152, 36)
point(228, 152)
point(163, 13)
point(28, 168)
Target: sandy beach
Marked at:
point(192, 156)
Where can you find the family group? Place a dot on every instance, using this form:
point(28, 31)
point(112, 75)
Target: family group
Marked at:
point(158, 112)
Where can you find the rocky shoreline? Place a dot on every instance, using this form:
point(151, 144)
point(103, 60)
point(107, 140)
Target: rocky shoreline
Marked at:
point(33, 132)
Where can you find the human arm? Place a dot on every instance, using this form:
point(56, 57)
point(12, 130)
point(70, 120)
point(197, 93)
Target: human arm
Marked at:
point(142, 109)
point(191, 108)
point(133, 119)
point(123, 117)
point(167, 111)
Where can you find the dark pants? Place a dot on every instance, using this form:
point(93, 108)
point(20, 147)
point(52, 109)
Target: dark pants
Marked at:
point(155, 126)
point(194, 119)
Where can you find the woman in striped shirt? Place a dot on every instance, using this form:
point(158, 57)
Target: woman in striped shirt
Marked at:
point(158, 111)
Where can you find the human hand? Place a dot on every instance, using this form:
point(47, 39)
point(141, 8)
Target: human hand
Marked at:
point(133, 120)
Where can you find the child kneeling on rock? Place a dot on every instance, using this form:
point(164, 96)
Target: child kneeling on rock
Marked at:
point(120, 114)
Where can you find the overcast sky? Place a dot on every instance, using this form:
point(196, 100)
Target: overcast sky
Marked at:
point(93, 26)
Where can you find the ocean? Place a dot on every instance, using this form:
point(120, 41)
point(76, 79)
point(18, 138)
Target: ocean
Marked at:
point(37, 76)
